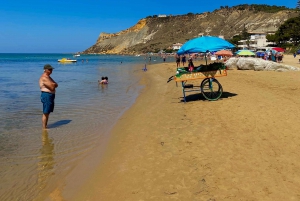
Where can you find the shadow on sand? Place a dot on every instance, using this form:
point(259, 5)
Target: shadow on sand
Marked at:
point(59, 123)
point(200, 97)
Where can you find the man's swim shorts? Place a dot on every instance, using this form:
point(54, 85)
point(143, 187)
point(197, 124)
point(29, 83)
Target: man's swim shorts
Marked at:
point(48, 102)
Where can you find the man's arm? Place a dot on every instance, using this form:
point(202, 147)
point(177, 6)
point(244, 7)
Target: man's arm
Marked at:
point(49, 83)
point(56, 85)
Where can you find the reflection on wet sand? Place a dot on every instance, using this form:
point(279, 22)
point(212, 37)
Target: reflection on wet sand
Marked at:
point(46, 163)
point(46, 168)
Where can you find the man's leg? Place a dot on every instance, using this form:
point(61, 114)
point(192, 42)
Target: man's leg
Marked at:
point(45, 120)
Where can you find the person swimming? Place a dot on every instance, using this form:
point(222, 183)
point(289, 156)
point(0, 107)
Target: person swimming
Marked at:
point(104, 80)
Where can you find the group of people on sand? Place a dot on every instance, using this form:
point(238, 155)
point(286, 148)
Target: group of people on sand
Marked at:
point(182, 59)
point(276, 57)
point(104, 80)
point(179, 59)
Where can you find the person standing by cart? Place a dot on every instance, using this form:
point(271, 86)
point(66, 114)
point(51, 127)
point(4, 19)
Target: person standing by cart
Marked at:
point(191, 64)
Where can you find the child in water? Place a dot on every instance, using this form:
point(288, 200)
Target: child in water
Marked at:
point(104, 80)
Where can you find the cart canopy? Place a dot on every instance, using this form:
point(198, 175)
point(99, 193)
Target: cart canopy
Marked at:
point(204, 44)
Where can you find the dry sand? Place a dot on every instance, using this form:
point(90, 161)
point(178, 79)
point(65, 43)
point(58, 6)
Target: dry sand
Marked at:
point(244, 146)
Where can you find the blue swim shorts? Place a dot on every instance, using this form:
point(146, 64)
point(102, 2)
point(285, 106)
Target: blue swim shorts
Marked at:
point(48, 102)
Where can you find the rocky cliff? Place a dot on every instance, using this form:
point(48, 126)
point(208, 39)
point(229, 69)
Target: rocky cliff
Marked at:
point(155, 33)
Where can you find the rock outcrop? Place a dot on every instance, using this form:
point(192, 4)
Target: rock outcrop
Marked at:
point(257, 64)
point(152, 34)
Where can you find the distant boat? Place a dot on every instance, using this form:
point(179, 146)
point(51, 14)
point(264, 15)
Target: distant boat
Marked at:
point(76, 55)
point(67, 60)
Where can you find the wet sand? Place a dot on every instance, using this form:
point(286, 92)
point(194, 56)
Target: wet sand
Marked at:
point(244, 146)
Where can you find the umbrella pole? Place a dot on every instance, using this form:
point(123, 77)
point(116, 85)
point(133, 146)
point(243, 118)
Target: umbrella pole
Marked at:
point(205, 58)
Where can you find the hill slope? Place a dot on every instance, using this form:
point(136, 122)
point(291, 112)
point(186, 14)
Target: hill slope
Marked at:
point(155, 33)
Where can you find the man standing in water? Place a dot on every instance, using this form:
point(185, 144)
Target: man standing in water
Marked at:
point(47, 86)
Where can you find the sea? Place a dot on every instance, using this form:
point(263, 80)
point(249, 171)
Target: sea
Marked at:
point(33, 161)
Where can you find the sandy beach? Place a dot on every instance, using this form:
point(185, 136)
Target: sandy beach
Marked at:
point(245, 146)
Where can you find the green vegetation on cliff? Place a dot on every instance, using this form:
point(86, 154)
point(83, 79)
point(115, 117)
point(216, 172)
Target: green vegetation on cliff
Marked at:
point(160, 33)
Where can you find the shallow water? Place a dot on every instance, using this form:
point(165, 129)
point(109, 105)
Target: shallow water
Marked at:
point(33, 162)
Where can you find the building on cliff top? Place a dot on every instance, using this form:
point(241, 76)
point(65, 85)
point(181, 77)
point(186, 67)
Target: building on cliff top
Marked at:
point(176, 46)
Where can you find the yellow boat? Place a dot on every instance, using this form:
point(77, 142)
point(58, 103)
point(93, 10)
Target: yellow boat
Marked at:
point(66, 60)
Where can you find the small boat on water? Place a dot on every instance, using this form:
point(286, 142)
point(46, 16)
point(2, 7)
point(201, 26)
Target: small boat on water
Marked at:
point(76, 55)
point(67, 60)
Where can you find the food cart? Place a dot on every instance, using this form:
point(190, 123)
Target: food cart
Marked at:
point(210, 86)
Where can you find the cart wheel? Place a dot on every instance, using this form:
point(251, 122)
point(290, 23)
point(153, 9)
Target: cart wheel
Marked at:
point(211, 89)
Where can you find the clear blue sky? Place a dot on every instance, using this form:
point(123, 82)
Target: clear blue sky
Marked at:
point(52, 26)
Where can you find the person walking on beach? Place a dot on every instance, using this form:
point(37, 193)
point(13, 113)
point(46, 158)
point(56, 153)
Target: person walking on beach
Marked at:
point(177, 57)
point(164, 58)
point(47, 86)
point(183, 60)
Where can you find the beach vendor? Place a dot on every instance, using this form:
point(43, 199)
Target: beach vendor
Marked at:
point(190, 64)
point(47, 86)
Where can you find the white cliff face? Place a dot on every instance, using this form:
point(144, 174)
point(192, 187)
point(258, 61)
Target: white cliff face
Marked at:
point(257, 64)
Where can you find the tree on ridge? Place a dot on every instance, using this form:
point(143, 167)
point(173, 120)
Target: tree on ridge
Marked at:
point(298, 4)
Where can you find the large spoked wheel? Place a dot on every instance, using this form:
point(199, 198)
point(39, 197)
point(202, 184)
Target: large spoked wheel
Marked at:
point(211, 89)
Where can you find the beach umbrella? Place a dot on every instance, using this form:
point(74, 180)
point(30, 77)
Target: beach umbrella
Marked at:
point(260, 53)
point(224, 53)
point(204, 44)
point(245, 53)
point(240, 51)
point(278, 49)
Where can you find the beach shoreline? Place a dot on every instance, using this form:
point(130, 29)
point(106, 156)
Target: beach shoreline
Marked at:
point(244, 145)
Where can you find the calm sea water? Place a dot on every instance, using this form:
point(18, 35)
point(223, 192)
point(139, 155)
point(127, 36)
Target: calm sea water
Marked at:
point(32, 161)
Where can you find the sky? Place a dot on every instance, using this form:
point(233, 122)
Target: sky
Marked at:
point(65, 26)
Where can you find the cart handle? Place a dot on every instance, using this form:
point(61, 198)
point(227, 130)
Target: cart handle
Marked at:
point(170, 78)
